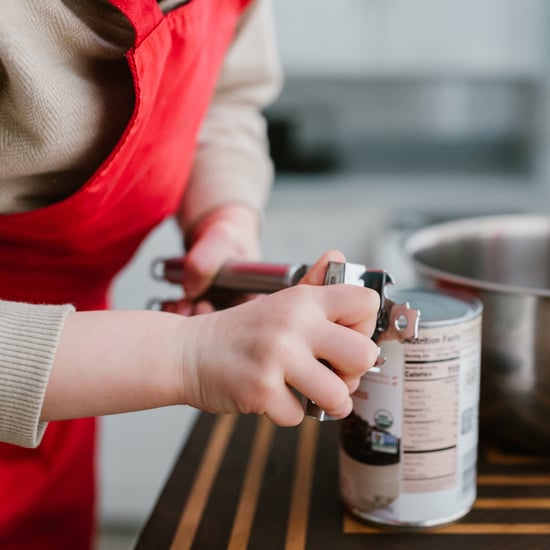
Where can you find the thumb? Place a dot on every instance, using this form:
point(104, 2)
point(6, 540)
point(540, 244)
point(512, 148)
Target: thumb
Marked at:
point(316, 275)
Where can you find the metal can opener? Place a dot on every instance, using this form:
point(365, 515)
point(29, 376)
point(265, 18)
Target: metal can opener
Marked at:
point(394, 321)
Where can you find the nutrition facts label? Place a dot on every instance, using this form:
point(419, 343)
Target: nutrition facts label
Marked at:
point(431, 407)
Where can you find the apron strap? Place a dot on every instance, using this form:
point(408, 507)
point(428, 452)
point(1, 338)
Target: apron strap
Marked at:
point(144, 15)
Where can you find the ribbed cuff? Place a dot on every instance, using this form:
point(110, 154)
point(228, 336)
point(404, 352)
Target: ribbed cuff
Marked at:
point(29, 335)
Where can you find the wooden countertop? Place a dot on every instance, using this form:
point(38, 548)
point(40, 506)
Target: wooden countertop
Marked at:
point(239, 479)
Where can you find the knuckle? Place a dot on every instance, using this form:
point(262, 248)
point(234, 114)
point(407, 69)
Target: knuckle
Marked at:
point(293, 314)
point(268, 385)
point(277, 350)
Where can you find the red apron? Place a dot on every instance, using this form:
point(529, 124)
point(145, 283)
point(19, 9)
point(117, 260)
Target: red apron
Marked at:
point(69, 252)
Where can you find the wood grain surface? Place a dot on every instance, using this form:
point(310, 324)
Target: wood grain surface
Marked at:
point(242, 483)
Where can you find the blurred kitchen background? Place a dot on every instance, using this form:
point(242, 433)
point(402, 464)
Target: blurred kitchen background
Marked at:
point(395, 113)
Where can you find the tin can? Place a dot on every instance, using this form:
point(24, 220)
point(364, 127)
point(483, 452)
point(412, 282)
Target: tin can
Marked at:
point(408, 451)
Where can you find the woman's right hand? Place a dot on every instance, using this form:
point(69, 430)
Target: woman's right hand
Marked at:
point(248, 358)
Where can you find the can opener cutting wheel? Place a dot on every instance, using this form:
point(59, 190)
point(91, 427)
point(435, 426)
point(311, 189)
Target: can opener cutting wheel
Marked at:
point(394, 321)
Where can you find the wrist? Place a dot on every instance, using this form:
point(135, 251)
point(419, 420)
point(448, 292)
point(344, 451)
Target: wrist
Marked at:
point(188, 343)
point(241, 216)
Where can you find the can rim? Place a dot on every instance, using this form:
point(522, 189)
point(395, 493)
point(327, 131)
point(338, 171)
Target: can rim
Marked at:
point(473, 307)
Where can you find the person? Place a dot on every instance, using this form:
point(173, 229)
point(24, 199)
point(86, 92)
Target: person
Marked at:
point(114, 115)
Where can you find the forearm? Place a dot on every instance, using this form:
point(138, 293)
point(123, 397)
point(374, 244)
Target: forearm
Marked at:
point(232, 162)
point(243, 359)
point(113, 362)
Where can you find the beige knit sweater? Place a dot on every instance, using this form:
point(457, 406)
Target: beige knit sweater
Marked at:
point(65, 98)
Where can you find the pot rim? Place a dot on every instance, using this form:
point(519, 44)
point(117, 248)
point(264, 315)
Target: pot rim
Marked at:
point(480, 227)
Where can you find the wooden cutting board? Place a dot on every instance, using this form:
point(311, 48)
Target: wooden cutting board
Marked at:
point(241, 482)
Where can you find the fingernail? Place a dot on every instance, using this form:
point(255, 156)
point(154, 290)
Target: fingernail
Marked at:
point(184, 308)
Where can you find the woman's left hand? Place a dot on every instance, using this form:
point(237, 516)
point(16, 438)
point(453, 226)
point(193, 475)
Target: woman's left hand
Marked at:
point(230, 232)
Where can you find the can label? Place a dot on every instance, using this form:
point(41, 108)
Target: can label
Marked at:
point(409, 449)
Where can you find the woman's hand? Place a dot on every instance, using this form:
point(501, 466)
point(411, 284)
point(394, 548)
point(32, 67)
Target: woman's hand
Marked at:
point(230, 232)
point(249, 357)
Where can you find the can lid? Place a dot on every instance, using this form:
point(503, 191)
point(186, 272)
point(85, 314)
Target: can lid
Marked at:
point(437, 306)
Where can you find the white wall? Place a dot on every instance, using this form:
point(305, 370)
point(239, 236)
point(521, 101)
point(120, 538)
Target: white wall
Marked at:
point(399, 37)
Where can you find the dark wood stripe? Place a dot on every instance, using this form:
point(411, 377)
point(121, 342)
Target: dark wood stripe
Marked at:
point(272, 513)
point(497, 462)
point(225, 490)
point(499, 458)
point(161, 525)
point(505, 515)
point(301, 491)
point(200, 492)
point(244, 518)
point(326, 510)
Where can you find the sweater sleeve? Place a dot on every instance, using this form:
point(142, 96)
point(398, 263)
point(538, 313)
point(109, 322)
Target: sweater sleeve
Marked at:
point(232, 163)
point(28, 340)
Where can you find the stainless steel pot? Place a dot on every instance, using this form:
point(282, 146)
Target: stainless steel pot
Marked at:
point(505, 261)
